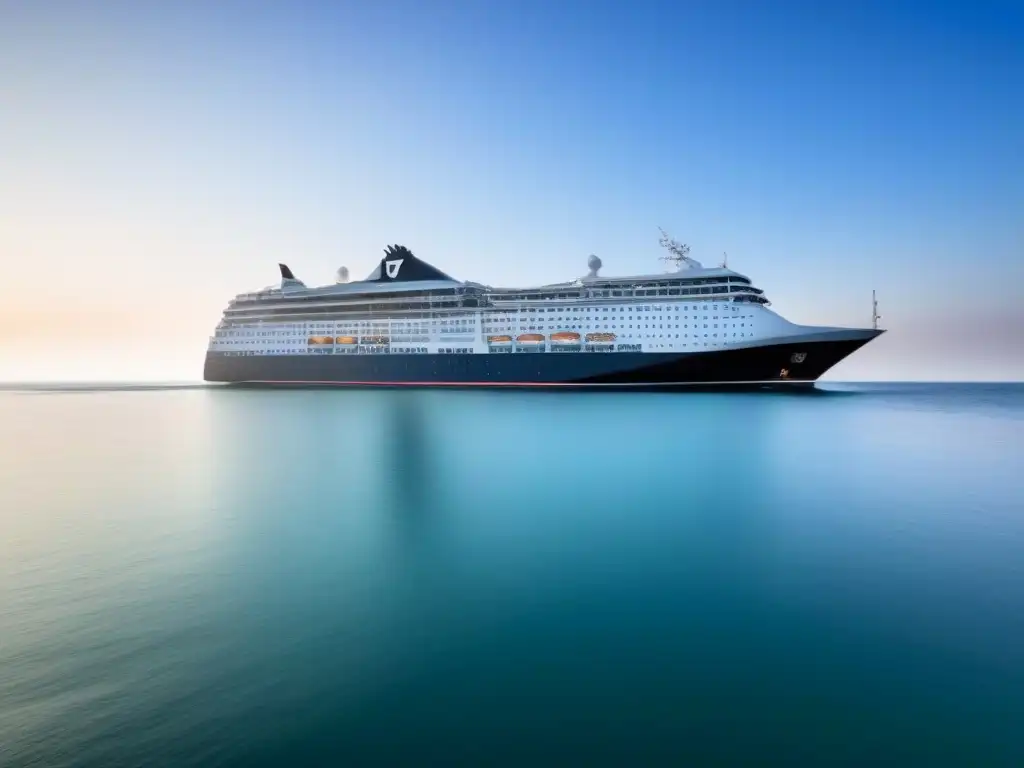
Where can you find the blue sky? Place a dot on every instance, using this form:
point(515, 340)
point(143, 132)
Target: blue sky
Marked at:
point(158, 158)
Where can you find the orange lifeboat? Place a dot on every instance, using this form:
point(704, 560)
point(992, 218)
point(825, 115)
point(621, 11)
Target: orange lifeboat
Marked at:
point(600, 338)
point(565, 337)
point(321, 340)
point(345, 340)
point(499, 339)
point(530, 338)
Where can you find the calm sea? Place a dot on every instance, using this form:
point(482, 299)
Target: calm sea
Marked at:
point(193, 576)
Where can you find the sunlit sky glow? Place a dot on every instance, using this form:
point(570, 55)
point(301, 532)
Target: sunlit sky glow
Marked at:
point(157, 159)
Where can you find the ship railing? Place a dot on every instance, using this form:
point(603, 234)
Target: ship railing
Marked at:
point(716, 292)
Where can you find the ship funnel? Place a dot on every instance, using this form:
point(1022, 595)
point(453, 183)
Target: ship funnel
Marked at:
point(288, 279)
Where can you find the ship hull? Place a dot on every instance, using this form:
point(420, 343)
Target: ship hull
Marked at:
point(788, 361)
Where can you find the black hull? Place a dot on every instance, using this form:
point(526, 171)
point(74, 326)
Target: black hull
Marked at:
point(786, 362)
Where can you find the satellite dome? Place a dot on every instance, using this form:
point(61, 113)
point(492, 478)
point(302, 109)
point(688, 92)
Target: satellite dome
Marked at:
point(595, 264)
point(342, 275)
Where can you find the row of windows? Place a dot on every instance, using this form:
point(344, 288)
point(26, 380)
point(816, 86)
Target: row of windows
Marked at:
point(663, 288)
point(674, 285)
point(649, 326)
point(229, 327)
point(489, 320)
point(373, 350)
point(362, 350)
point(420, 330)
point(714, 333)
point(278, 296)
point(349, 309)
point(389, 308)
point(624, 308)
point(641, 293)
point(461, 350)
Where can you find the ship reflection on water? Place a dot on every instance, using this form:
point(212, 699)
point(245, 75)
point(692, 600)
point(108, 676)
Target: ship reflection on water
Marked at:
point(407, 455)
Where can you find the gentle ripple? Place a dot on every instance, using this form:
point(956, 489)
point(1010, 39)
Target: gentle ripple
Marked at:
point(204, 576)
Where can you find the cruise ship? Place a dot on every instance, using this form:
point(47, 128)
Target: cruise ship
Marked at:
point(410, 324)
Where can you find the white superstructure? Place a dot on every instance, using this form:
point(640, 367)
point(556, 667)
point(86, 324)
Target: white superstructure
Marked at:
point(407, 306)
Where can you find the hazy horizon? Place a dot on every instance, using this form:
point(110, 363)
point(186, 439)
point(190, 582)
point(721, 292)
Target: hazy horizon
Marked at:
point(159, 160)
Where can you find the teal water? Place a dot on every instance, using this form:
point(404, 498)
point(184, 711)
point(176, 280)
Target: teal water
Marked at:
point(204, 577)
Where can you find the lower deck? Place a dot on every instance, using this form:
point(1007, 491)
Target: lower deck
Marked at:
point(789, 360)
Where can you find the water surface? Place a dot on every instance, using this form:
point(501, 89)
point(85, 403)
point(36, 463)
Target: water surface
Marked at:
point(203, 576)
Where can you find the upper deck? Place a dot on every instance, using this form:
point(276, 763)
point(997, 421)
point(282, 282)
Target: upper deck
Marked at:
point(403, 283)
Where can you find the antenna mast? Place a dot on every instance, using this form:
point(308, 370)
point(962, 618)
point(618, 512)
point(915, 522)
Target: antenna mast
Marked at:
point(678, 253)
point(875, 317)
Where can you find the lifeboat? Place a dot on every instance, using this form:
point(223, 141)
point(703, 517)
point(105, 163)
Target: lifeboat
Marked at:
point(375, 340)
point(600, 338)
point(321, 340)
point(565, 337)
point(530, 338)
point(499, 339)
point(345, 340)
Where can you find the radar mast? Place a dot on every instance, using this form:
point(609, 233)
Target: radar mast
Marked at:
point(678, 253)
